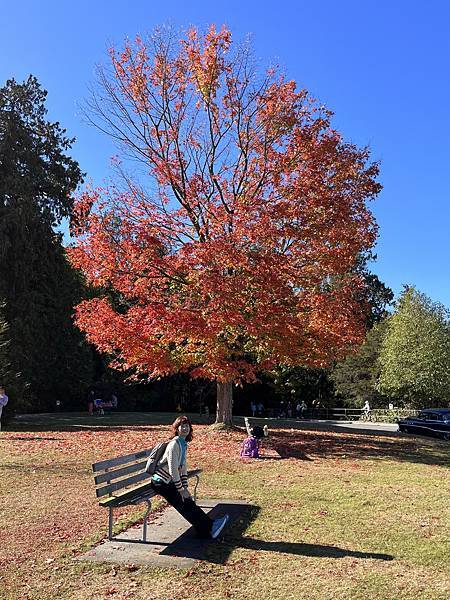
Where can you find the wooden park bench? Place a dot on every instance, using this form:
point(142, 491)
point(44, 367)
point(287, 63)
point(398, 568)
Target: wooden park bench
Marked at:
point(123, 481)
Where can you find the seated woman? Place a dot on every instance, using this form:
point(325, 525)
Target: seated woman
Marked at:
point(170, 481)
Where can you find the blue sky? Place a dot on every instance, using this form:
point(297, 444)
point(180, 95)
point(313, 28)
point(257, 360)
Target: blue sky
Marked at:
point(382, 67)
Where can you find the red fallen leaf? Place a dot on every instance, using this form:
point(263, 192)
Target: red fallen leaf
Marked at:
point(190, 573)
point(111, 591)
point(131, 568)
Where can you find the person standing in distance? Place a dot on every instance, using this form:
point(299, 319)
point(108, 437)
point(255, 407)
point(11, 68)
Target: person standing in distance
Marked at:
point(3, 402)
point(170, 481)
point(303, 409)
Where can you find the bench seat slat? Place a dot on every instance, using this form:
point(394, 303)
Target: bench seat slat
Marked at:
point(120, 460)
point(111, 475)
point(144, 490)
point(123, 483)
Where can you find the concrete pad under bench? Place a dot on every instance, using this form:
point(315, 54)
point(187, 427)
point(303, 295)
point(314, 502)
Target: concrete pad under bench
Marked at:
point(171, 539)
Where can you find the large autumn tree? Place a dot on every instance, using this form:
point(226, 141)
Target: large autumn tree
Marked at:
point(236, 254)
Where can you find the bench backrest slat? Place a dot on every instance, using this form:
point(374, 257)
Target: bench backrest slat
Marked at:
point(120, 460)
point(117, 473)
point(123, 483)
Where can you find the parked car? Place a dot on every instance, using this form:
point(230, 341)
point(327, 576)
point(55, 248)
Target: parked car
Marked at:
point(432, 421)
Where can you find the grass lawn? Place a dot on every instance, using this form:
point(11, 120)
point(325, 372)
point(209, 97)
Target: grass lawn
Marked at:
point(342, 515)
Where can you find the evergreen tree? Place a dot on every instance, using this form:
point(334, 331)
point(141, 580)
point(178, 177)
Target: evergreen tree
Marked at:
point(415, 354)
point(37, 179)
point(355, 378)
point(5, 365)
point(302, 383)
point(375, 296)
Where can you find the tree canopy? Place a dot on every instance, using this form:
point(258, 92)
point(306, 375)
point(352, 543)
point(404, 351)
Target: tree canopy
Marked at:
point(238, 255)
point(35, 171)
point(415, 354)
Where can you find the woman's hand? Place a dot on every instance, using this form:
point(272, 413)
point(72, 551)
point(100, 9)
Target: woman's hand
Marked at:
point(185, 494)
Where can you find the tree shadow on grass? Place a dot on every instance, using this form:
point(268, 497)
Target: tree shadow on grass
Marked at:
point(66, 470)
point(113, 421)
point(59, 426)
point(348, 447)
point(30, 439)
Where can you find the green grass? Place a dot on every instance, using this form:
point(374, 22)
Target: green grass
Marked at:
point(345, 516)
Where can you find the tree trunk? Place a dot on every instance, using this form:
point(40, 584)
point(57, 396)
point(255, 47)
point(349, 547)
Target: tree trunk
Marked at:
point(224, 413)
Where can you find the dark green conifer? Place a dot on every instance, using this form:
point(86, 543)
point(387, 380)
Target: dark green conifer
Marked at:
point(37, 180)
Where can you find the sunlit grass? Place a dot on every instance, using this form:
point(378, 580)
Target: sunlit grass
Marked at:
point(341, 515)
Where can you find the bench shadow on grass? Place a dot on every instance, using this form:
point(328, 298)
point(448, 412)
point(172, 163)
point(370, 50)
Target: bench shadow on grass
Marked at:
point(242, 516)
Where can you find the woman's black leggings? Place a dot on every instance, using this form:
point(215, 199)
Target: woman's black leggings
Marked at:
point(187, 508)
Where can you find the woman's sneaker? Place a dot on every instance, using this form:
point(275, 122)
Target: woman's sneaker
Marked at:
point(218, 525)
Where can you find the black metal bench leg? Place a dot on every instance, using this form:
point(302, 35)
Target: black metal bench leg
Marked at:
point(196, 486)
point(144, 531)
point(110, 526)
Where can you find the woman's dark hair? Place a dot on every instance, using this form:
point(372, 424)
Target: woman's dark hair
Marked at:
point(178, 422)
point(257, 432)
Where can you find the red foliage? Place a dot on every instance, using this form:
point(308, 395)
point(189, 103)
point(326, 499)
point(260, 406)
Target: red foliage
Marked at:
point(240, 259)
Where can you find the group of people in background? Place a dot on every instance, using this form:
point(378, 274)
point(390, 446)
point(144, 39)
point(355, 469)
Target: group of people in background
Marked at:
point(285, 410)
point(257, 409)
point(97, 404)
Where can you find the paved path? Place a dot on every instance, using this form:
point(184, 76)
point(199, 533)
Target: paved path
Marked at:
point(366, 427)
